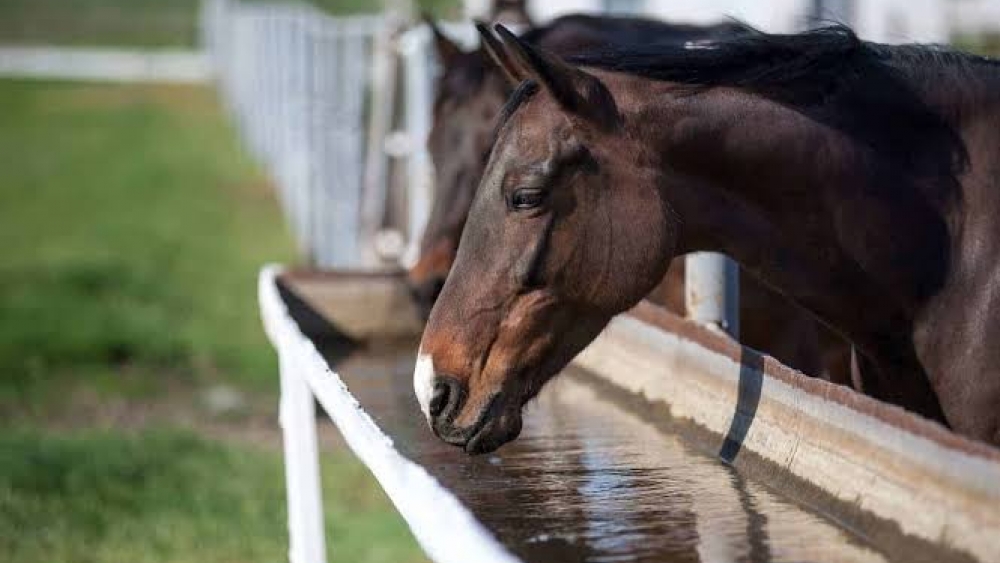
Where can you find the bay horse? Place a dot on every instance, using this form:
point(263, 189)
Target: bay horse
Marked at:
point(860, 180)
point(471, 91)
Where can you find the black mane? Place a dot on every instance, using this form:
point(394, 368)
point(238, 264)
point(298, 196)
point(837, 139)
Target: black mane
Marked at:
point(576, 33)
point(797, 66)
point(573, 33)
point(903, 102)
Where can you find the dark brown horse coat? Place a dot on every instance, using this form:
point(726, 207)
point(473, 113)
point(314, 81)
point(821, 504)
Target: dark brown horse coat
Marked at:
point(470, 93)
point(860, 180)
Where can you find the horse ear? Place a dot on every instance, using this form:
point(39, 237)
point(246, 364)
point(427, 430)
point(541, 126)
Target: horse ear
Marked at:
point(448, 51)
point(495, 49)
point(578, 92)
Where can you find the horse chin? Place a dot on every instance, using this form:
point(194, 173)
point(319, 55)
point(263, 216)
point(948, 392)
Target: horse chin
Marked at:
point(497, 424)
point(495, 432)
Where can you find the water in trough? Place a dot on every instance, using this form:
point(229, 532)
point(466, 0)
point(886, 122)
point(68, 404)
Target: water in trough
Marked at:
point(589, 480)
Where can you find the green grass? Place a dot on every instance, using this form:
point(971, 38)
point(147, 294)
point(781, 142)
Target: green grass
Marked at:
point(139, 23)
point(984, 44)
point(143, 23)
point(170, 496)
point(133, 228)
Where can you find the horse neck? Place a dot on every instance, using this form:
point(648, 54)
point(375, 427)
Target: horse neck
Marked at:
point(960, 91)
point(778, 192)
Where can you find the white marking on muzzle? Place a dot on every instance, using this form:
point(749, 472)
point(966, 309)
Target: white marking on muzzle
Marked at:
point(423, 382)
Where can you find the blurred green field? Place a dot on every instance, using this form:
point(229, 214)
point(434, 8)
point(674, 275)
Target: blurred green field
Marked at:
point(170, 496)
point(133, 228)
point(985, 44)
point(139, 23)
point(174, 23)
point(143, 23)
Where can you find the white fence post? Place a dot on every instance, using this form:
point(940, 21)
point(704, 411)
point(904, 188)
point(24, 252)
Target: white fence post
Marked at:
point(314, 98)
point(306, 535)
point(383, 100)
point(416, 50)
point(712, 292)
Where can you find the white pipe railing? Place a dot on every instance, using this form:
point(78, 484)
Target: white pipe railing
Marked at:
point(105, 64)
point(445, 529)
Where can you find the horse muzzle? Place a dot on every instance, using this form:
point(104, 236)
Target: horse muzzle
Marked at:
point(497, 424)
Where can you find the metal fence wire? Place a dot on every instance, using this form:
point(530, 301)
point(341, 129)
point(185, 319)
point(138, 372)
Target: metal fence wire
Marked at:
point(311, 96)
point(338, 110)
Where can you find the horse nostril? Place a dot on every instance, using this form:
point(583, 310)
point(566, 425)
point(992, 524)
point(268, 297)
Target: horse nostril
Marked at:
point(439, 400)
point(446, 400)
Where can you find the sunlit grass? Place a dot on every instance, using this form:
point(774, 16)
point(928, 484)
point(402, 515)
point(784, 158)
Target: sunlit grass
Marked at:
point(169, 496)
point(133, 228)
point(145, 23)
point(141, 23)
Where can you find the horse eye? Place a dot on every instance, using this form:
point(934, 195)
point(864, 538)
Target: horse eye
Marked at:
point(527, 198)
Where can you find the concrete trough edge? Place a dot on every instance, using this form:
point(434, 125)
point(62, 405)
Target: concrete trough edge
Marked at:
point(872, 459)
point(361, 304)
point(888, 474)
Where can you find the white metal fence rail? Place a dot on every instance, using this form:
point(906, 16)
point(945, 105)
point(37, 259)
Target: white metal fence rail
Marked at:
point(105, 64)
point(445, 529)
point(299, 84)
point(338, 109)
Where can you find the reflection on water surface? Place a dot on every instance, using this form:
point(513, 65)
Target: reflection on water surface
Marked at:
point(587, 481)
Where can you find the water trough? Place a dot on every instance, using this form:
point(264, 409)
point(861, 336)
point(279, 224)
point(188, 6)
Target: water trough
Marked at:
point(620, 456)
